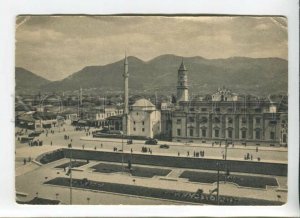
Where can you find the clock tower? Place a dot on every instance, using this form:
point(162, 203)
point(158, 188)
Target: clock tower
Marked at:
point(182, 84)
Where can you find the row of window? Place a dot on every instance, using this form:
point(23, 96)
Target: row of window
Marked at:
point(230, 133)
point(217, 120)
point(143, 123)
point(143, 129)
point(229, 110)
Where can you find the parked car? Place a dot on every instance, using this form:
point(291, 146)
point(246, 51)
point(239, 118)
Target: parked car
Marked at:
point(151, 142)
point(26, 139)
point(165, 146)
point(34, 134)
point(104, 130)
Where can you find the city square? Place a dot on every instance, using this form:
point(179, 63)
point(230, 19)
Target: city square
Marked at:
point(173, 129)
point(172, 180)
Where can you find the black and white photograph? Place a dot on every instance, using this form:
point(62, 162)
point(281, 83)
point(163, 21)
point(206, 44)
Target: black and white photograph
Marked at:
point(151, 110)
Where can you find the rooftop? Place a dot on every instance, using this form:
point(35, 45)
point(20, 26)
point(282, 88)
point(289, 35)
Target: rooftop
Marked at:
point(143, 103)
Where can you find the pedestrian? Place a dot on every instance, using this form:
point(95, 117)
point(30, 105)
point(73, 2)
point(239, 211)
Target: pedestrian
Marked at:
point(95, 148)
point(178, 154)
point(131, 150)
point(256, 149)
point(24, 161)
point(251, 157)
point(83, 147)
point(101, 145)
point(51, 143)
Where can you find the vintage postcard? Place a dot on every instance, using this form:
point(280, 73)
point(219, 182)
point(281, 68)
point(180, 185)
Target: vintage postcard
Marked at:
point(151, 110)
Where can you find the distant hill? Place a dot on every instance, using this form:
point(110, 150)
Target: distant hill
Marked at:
point(27, 81)
point(241, 74)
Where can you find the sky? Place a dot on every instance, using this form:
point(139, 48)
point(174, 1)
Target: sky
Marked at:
point(55, 47)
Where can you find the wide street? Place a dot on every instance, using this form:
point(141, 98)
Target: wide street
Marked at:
point(81, 139)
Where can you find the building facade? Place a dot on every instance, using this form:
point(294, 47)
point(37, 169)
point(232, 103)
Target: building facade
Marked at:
point(244, 120)
point(226, 116)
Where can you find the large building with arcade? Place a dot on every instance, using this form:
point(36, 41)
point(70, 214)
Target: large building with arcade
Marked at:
point(226, 116)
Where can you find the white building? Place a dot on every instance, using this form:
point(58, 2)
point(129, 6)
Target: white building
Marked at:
point(144, 119)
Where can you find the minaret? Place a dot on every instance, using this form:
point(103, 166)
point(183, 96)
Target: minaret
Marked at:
point(80, 97)
point(182, 85)
point(126, 75)
point(126, 129)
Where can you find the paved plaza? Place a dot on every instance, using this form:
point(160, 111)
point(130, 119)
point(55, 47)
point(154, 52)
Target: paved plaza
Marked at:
point(31, 176)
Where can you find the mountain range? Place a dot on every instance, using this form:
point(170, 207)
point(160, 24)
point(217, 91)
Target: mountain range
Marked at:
point(240, 74)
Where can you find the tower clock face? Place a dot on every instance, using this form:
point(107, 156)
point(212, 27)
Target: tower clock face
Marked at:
point(138, 116)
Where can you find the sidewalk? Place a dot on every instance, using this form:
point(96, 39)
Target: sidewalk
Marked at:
point(175, 155)
point(236, 146)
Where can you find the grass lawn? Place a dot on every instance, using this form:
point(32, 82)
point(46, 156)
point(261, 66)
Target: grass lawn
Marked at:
point(52, 156)
point(241, 180)
point(195, 197)
point(38, 200)
point(135, 170)
point(75, 163)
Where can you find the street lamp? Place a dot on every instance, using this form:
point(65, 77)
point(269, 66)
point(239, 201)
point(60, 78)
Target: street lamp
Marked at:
point(70, 174)
point(122, 151)
point(218, 181)
point(226, 167)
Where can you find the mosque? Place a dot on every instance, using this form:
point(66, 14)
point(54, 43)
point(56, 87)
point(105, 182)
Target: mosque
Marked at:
point(142, 119)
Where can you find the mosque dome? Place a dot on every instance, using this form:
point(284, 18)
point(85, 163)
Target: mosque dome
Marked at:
point(143, 104)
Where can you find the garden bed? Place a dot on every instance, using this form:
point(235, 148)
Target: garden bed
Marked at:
point(183, 196)
point(134, 171)
point(51, 156)
point(74, 164)
point(38, 200)
point(241, 180)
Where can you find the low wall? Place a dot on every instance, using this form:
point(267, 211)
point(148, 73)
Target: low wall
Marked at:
point(182, 162)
